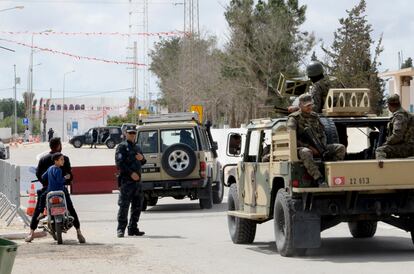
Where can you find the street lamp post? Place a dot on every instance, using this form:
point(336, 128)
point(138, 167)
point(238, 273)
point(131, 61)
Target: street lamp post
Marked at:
point(63, 104)
point(30, 114)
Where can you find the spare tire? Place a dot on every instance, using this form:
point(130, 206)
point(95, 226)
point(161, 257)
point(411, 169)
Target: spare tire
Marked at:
point(178, 160)
point(330, 130)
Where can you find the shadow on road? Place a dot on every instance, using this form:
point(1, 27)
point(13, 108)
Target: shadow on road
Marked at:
point(185, 207)
point(268, 248)
point(163, 237)
point(377, 249)
point(350, 250)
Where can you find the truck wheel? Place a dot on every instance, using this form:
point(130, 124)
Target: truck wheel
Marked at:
point(178, 160)
point(207, 203)
point(110, 144)
point(77, 144)
point(412, 236)
point(242, 231)
point(144, 204)
point(152, 201)
point(283, 225)
point(218, 193)
point(363, 229)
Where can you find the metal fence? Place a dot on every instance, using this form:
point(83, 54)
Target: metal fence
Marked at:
point(10, 181)
point(10, 192)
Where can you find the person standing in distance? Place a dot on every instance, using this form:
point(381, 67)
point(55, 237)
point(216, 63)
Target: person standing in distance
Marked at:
point(129, 159)
point(50, 134)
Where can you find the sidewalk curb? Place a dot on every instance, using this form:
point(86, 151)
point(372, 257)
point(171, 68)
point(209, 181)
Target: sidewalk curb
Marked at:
point(22, 235)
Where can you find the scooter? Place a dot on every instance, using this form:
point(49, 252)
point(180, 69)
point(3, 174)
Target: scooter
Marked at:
point(58, 219)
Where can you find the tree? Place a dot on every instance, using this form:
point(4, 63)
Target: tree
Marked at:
point(350, 59)
point(7, 107)
point(408, 63)
point(265, 40)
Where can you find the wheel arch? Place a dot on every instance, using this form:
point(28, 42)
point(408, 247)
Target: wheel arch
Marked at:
point(278, 183)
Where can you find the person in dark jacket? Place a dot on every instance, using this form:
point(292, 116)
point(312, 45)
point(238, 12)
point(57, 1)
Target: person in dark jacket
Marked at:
point(50, 134)
point(44, 163)
point(129, 159)
point(94, 137)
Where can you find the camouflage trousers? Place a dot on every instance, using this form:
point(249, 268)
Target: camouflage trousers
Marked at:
point(394, 151)
point(336, 152)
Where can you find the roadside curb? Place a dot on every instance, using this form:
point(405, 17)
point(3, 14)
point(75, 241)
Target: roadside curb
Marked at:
point(22, 235)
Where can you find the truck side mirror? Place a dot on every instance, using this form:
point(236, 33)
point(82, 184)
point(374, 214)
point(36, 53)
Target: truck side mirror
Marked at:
point(234, 144)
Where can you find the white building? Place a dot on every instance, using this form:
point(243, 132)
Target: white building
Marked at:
point(402, 83)
point(80, 114)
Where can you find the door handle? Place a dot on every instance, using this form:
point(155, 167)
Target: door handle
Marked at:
point(153, 156)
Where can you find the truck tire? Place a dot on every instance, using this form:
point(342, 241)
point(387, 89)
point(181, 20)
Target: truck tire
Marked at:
point(283, 225)
point(363, 229)
point(207, 202)
point(242, 231)
point(178, 160)
point(77, 143)
point(412, 236)
point(152, 201)
point(330, 131)
point(110, 143)
point(218, 193)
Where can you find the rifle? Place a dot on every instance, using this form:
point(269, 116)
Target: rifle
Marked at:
point(309, 134)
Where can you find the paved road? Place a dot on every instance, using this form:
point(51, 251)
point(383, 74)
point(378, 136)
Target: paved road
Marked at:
point(84, 156)
point(181, 238)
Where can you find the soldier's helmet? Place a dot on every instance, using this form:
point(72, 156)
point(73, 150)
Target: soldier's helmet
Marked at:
point(393, 99)
point(314, 69)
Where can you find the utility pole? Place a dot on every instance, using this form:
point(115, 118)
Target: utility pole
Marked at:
point(15, 100)
point(135, 84)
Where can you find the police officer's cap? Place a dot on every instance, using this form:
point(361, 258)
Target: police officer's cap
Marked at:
point(305, 100)
point(132, 130)
point(394, 99)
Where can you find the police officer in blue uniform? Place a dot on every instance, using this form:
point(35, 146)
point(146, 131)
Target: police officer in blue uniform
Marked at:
point(129, 159)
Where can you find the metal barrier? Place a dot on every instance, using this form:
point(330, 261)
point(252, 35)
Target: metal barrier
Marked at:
point(10, 192)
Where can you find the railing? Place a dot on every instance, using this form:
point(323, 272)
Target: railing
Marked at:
point(10, 193)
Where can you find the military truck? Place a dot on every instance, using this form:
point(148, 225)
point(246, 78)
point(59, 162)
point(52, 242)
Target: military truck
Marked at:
point(361, 190)
point(181, 159)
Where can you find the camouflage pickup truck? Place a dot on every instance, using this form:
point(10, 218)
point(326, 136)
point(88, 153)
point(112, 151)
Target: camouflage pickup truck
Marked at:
point(272, 182)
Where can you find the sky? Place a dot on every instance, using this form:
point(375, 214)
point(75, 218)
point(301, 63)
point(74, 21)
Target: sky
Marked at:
point(96, 78)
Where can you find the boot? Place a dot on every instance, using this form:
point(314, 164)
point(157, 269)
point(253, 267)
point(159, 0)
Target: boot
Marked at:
point(135, 232)
point(321, 182)
point(29, 238)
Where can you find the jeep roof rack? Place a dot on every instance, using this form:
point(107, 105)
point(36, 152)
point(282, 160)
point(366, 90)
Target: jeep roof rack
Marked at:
point(171, 117)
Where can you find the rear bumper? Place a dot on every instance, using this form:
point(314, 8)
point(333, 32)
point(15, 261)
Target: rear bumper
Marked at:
point(194, 188)
point(173, 184)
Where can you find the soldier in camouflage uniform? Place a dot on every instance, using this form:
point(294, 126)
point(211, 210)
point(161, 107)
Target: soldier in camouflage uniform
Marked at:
point(302, 119)
point(320, 87)
point(400, 139)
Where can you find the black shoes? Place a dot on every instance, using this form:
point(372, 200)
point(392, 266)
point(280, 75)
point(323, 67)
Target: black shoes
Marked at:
point(135, 232)
point(120, 234)
point(321, 182)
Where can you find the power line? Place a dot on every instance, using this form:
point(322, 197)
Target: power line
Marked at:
point(71, 91)
point(83, 2)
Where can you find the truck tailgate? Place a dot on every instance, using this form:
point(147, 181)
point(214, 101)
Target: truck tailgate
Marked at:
point(367, 175)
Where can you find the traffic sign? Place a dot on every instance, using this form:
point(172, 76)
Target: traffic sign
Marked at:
point(25, 121)
point(199, 110)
